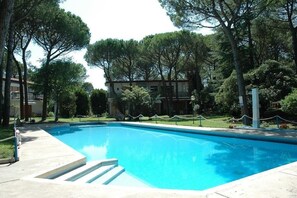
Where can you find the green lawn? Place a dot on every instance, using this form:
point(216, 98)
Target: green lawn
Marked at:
point(213, 121)
point(6, 147)
point(185, 120)
point(218, 122)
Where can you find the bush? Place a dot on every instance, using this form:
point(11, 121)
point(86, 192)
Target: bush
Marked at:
point(51, 114)
point(137, 99)
point(289, 104)
point(82, 102)
point(227, 97)
point(98, 101)
point(274, 80)
point(67, 105)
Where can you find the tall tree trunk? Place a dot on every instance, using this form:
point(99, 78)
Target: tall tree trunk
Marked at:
point(108, 77)
point(57, 109)
point(165, 94)
point(170, 98)
point(170, 94)
point(26, 80)
point(6, 10)
point(198, 81)
point(248, 19)
point(294, 42)
point(199, 87)
point(21, 87)
point(45, 98)
point(1, 90)
point(6, 110)
point(176, 92)
point(251, 46)
point(44, 103)
point(239, 72)
point(46, 87)
point(289, 7)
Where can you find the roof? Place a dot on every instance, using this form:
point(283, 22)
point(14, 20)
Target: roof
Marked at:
point(16, 80)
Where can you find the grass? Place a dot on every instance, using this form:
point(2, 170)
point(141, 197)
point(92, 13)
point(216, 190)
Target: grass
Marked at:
point(6, 147)
point(213, 121)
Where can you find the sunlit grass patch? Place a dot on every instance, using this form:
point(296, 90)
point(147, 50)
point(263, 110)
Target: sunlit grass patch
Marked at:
point(6, 147)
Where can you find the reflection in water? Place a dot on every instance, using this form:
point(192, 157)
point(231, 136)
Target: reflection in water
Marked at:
point(94, 152)
point(177, 160)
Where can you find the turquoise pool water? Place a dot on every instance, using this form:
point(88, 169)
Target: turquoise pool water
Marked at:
point(176, 160)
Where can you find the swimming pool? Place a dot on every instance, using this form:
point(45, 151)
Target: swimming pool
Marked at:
point(174, 159)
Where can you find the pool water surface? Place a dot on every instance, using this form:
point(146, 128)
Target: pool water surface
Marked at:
point(176, 160)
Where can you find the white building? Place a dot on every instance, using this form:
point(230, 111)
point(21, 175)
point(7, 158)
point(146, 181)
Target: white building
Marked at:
point(35, 102)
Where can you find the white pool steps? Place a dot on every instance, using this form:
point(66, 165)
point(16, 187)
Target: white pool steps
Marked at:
point(100, 172)
point(109, 176)
point(88, 178)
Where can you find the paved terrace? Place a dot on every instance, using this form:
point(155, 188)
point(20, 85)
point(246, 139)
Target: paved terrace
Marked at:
point(41, 152)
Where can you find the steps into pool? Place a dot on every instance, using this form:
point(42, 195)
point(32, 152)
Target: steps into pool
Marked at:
point(99, 172)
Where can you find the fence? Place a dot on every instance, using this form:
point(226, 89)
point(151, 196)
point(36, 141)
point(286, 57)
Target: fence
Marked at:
point(277, 120)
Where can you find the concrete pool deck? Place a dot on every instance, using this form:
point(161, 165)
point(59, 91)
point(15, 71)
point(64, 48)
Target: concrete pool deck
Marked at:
point(40, 152)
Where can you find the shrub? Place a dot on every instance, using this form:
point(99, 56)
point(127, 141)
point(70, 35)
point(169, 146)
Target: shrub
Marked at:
point(51, 114)
point(289, 104)
point(98, 101)
point(67, 105)
point(82, 102)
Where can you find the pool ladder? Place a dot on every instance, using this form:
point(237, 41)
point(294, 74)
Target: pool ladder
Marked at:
point(96, 172)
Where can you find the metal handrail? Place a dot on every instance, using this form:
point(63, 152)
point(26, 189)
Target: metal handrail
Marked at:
point(5, 139)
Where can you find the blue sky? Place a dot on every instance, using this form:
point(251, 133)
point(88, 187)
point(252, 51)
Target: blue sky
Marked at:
point(122, 19)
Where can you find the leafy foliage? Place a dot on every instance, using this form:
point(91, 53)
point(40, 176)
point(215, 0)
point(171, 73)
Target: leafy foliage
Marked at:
point(289, 103)
point(247, 36)
point(63, 76)
point(274, 81)
point(103, 54)
point(137, 98)
point(60, 31)
point(67, 104)
point(88, 87)
point(98, 101)
point(82, 103)
point(226, 98)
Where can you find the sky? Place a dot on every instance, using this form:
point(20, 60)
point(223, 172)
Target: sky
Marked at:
point(121, 19)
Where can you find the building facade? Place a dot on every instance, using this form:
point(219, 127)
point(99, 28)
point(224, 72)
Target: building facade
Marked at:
point(35, 101)
point(179, 90)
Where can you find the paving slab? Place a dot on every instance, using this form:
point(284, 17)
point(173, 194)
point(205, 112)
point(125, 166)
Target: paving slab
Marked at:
point(272, 185)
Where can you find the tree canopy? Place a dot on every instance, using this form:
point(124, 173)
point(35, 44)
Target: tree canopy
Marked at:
point(64, 76)
point(254, 43)
point(228, 15)
point(59, 32)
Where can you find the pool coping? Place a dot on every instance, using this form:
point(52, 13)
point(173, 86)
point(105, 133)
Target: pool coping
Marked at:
point(278, 182)
point(250, 133)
